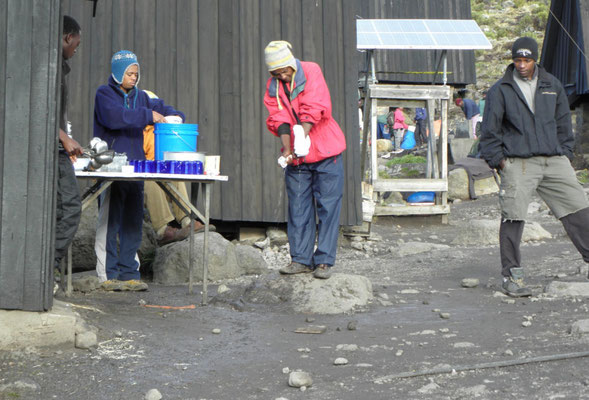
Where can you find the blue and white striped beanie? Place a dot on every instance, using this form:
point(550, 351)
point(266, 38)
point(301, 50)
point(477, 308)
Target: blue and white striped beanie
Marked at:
point(119, 64)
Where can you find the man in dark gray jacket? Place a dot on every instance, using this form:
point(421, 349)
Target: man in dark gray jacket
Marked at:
point(527, 136)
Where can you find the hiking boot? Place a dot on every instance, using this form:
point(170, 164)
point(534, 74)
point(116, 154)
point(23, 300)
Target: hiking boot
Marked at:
point(134, 285)
point(322, 271)
point(112, 285)
point(172, 234)
point(295, 268)
point(514, 285)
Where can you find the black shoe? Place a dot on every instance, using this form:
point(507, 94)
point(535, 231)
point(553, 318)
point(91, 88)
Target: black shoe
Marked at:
point(322, 271)
point(514, 285)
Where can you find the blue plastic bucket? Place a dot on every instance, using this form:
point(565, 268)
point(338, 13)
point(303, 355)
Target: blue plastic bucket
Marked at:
point(174, 137)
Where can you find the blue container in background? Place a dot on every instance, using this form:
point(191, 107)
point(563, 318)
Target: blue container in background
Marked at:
point(421, 197)
point(175, 137)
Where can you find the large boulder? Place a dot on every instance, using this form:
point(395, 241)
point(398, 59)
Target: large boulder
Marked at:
point(305, 294)
point(486, 232)
point(171, 262)
point(458, 185)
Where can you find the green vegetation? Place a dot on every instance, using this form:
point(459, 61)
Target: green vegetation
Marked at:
point(583, 177)
point(383, 175)
point(407, 159)
point(410, 173)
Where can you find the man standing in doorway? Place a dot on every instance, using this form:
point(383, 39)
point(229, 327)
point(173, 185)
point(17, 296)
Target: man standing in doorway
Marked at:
point(527, 136)
point(68, 203)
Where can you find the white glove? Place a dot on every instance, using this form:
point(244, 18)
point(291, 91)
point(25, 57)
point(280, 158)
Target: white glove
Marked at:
point(302, 144)
point(283, 161)
point(173, 119)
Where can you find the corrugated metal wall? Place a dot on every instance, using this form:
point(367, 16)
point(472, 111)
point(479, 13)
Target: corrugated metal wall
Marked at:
point(29, 40)
point(416, 66)
point(205, 57)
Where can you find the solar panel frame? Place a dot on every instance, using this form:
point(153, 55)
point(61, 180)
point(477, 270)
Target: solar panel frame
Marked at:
point(420, 34)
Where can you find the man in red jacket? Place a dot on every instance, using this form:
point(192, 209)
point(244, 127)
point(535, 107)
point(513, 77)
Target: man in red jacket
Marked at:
point(299, 106)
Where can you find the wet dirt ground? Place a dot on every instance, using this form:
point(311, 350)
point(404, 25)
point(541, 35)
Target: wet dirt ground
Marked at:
point(401, 331)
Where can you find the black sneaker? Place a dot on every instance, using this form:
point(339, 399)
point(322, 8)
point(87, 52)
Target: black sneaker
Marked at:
point(295, 268)
point(514, 285)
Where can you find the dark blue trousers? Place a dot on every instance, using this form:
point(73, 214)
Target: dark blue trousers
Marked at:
point(314, 192)
point(119, 231)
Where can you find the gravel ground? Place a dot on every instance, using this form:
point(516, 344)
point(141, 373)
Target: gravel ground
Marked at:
point(421, 320)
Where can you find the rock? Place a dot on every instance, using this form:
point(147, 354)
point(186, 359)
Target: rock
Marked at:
point(263, 244)
point(409, 291)
point(384, 145)
point(299, 378)
point(340, 361)
point(410, 248)
point(347, 347)
point(352, 325)
point(399, 353)
point(250, 260)
point(153, 394)
point(445, 315)
point(560, 289)
point(429, 388)
point(463, 345)
point(86, 284)
point(357, 246)
point(508, 352)
point(222, 289)
point(484, 232)
point(458, 185)
point(170, 266)
point(526, 324)
point(86, 340)
point(216, 331)
point(277, 235)
point(469, 282)
point(580, 326)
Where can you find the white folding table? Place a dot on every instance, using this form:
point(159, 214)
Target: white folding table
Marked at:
point(204, 182)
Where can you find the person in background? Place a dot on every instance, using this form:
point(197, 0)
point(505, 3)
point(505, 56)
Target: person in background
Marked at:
point(121, 112)
point(299, 106)
point(157, 203)
point(68, 203)
point(396, 122)
point(482, 103)
point(472, 113)
point(527, 136)
point(420, 126)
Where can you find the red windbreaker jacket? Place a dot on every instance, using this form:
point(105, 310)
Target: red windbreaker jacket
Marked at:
point(311, 101)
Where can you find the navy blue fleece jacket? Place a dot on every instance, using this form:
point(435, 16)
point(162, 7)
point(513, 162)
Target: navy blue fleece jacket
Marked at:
point(119, 117)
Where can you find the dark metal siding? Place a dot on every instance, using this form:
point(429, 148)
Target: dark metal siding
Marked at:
point(206, 57)
point(29, 43)
point(416, 66)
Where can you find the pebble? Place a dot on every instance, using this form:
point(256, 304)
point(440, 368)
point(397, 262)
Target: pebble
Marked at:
point(340, 361)
point(347, 347)
point(304, 350)
point(364, 365)
point(436, 310)
point(508, 352)
point(463, 345)
point(525, 324)
point(310, 319)
point(303, 388)
point(357, 246)
point(85, 340)
point(352, 325)
point(285, 370)
point(222, 289)
point(444, 330)
point(153, 394)
point(299, 379)
point(409, 291)
point(216, 331)
point(445, 315)
point(399, 353)
point(469, 282)
point(142, 302)
point(508, 301)
point(383, 296)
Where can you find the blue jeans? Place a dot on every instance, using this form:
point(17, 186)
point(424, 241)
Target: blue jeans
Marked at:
point(314, 190)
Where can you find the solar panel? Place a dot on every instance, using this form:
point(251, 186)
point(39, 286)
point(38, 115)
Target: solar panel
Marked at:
point(425, 34)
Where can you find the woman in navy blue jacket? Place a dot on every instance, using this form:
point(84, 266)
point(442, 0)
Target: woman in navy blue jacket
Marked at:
point(121, 111)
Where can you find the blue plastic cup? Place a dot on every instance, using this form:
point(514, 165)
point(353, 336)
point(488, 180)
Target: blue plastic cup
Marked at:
point(176, 167)
point(198, 168)
point(139, 165)
point(161, 167)
point(150, 166)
